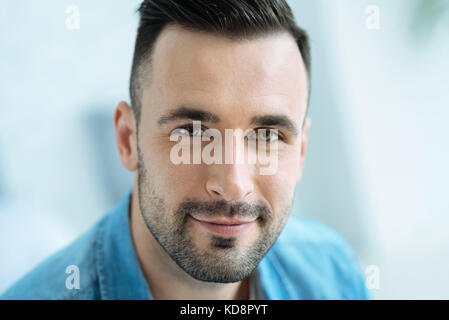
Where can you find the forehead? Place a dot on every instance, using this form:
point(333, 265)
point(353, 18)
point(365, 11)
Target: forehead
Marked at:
point(226, 75)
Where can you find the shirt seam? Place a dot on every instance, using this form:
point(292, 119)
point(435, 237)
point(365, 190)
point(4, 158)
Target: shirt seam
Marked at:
point(76, 295)
point(100, 262)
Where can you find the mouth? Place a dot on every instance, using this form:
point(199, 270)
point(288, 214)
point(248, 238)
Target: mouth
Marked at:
point(225, 227)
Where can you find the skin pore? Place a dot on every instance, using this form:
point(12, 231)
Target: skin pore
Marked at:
point(234, 82)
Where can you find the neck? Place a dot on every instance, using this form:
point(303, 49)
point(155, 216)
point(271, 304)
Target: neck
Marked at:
point(165, 278)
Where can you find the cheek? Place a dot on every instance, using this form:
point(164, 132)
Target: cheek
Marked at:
point(278, 189)
point(174, 182)
point(182, 179)
point(288, 167)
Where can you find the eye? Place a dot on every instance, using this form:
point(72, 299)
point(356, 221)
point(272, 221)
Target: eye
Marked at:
point(188, 130)
point(265, 135)
point(268, 135)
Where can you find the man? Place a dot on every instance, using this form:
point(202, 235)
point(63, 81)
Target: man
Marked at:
point(208, 229)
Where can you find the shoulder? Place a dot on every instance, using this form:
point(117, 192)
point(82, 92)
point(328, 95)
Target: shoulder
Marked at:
point(54, 277)
point(316, 260)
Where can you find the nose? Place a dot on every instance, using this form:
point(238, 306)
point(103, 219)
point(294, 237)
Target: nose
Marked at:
point(230, 182)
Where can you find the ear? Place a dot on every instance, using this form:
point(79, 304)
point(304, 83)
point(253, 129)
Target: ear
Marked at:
point(304, 140)
point(126, 135)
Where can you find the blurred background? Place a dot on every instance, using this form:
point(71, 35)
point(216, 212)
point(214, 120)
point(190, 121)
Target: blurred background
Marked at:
point(377, 164)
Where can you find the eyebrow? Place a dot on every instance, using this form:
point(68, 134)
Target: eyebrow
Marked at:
point(188, 113)
point(276, 120)
point(184, 113)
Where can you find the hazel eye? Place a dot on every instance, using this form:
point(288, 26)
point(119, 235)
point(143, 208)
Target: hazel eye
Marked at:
point(267, 135)
point(264, 135)
point(188, 130)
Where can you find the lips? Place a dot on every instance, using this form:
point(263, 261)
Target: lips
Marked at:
point(225, 221)
point(225, 227)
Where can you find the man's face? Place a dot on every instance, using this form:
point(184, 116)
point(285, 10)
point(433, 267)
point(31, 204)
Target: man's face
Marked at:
point(227, 84)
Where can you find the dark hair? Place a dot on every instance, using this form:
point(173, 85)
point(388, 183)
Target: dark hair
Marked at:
point(234, 19)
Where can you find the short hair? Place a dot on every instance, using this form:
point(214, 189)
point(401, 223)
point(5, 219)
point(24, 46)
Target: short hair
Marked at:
point(234, 19)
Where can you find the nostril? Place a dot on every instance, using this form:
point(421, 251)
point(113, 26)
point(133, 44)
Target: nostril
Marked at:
point(214, 189)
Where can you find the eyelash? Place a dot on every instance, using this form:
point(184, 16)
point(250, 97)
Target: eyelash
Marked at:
point(189, 127)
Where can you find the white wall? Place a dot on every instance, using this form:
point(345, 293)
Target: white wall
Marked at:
point(393, 102)
point(54, 83)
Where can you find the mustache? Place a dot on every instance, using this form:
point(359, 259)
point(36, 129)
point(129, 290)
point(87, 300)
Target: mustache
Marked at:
point(222, 208)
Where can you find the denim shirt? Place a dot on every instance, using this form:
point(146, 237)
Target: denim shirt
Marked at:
point(309, 260)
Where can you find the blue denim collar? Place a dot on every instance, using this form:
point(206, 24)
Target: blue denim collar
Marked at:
point(119, 273)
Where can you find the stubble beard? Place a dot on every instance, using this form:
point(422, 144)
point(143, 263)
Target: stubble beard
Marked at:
point(223, 261)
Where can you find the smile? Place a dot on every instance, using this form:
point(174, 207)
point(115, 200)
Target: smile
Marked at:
point(224, 228)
